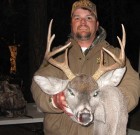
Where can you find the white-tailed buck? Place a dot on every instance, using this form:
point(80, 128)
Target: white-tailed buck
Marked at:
point(92, 99)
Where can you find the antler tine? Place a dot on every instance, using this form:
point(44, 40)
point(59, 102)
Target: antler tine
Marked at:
point(123, 42)
point(49, 40)
point(123, 36)
point(119, 62)
point(48, 55)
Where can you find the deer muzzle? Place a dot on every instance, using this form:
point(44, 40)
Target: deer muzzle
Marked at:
point(85, 117)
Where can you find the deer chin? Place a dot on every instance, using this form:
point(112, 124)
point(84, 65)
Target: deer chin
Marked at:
point(85, 117)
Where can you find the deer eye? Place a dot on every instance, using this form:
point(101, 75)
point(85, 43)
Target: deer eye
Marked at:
point(95, 93)
point(70, 91)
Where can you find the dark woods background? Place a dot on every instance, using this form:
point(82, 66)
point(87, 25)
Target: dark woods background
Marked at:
point(25, 23)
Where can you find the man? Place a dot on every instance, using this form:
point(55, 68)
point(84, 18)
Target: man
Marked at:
point(87, 39)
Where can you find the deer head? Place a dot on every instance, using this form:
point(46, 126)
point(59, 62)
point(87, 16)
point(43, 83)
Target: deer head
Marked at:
point(81, 90)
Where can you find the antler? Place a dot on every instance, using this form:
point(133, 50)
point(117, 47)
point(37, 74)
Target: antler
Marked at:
point(48, 55)
point(120, 62)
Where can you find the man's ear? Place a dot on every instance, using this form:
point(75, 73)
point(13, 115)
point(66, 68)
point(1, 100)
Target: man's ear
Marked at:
point(97, 25)
point(112, 78)
point(50, 85)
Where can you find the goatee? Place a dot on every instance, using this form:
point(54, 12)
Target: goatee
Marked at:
point(82, 37)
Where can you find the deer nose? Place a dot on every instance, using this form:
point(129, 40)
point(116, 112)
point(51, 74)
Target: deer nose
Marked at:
point(85, 117)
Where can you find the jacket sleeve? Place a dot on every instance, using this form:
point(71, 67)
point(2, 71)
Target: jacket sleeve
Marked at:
point(130, 87)
point(42, 99)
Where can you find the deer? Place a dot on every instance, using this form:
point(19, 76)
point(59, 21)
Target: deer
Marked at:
point(92, 99)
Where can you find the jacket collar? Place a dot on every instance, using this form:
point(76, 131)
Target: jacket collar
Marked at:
point(101, 35)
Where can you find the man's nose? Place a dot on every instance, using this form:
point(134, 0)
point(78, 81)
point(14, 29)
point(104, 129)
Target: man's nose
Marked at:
point(83, 20)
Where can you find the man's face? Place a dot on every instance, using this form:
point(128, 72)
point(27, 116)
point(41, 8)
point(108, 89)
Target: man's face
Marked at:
point(84, 25)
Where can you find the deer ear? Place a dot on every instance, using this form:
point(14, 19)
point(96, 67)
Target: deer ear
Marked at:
point(112, 77)
point(51, 85)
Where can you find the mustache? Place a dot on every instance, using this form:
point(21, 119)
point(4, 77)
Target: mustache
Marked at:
point(80, 26)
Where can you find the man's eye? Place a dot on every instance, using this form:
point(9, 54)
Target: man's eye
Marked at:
point(95, 93)
point(76, 18)
point(89, 18)
point(70, 91)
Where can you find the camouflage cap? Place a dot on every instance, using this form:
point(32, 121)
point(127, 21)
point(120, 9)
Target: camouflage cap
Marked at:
point(84, 4)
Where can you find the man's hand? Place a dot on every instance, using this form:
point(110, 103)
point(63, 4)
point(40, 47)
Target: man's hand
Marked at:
point(59, 101)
